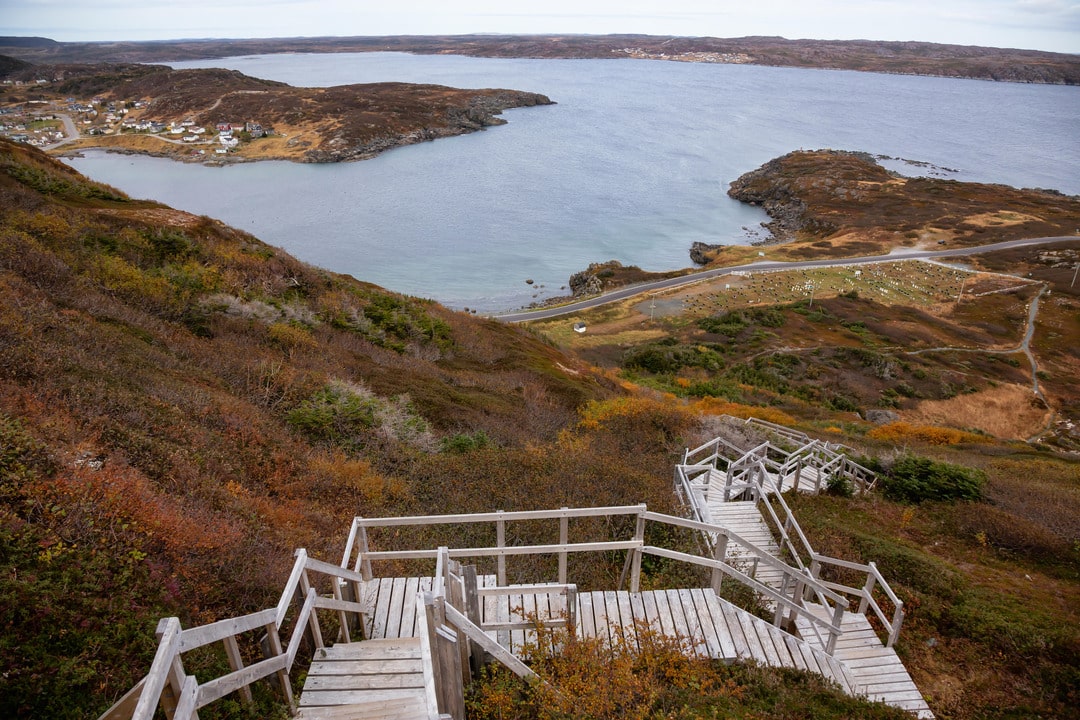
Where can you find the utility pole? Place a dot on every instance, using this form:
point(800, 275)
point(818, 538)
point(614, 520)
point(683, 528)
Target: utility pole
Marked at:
point(1074, 274)
point(960, 294)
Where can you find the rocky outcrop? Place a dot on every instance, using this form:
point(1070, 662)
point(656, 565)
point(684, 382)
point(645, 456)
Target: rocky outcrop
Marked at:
point(700, 252)
point(591, 281)
point(775, 191)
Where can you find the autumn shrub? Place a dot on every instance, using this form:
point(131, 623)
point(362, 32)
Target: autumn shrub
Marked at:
point(642, 674)
point(900, 432)
point(716, 406)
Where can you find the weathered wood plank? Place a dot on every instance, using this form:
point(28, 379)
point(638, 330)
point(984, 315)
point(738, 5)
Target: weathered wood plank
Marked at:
point(695, 634)
point(364, 682)
point(626, 619)
point(663, 613)
point(371, 666)
point(586, 619)
point(708, 629)
point(408, 612)
point(724, 633)
point(600, 617)
point(681, 628)
point(648, 603)
point(383, 586)
point(352, 697)
point(738, 632)
point(396, 609)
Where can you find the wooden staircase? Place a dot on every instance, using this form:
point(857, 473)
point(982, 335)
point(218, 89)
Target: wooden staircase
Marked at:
point(876, 671)
point(373, 680)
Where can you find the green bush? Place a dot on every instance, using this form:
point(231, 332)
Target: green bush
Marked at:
point(465, 442)
point(334, 414)
point(915, 479)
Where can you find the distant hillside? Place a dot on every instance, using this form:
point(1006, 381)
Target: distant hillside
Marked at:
point(27, 42)
point(10, 66)
point(912, 58)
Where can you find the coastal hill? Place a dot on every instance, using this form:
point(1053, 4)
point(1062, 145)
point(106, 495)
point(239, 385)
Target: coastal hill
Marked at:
point(182, 405)
point(844, 203)
point(333, 124)
point(910, 58)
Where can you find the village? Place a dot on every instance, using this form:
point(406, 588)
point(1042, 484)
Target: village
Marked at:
point(48, 124)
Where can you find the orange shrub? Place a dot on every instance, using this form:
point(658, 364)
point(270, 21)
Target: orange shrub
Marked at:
point(719, 406)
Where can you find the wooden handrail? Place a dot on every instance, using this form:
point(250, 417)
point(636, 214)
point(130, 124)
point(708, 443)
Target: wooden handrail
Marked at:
point(495, 516)
point(141, 702)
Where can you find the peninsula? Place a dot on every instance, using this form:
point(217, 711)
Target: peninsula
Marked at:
point(223, 115)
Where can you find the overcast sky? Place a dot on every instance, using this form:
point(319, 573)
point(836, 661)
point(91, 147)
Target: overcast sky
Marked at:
point(1033, 24)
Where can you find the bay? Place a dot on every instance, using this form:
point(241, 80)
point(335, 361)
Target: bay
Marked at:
point(632, 164)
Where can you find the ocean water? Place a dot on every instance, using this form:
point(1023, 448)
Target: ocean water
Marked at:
point(632, 164)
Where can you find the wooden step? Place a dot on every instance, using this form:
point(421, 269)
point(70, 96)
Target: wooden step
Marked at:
point(405, 707)
point(367, 680)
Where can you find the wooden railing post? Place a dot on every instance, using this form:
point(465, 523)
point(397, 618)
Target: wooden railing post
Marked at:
point(343, 619)
point(635, 570)
point(363, 564)
point(720, 555)
point(162, 673)
point(778, 616)
point(571, 610)
point(273, 649)
point(236, 662)
point(472, 611)
point(500, 540)
point(868, 588)
point(450, 658)
point(564, 539)
point(838, 621)
point(313, 620)
point(445, 659)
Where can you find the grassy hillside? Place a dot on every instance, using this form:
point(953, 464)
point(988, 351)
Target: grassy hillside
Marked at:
point(182, 405)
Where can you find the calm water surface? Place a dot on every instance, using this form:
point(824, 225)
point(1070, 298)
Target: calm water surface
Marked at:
point(631, 164)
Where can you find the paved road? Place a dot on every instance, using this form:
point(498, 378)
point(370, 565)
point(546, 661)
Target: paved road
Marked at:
point(72, 132)
point(767, 265)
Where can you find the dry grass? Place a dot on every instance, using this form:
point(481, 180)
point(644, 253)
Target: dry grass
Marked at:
point(1000, 218)
point(1010, 412)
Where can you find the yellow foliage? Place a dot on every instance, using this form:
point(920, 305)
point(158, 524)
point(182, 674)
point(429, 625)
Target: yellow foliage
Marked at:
point(930, 434)
point(291, 337)
point(343, 472)
point(719, 406)
point(120, 276)
point(596, 412)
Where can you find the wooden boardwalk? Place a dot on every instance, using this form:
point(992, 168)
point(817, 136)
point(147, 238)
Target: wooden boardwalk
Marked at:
point(710, 626)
